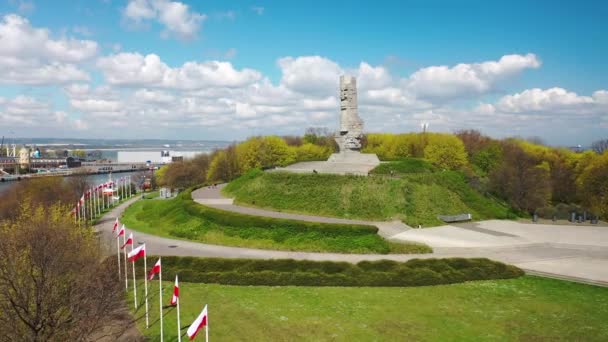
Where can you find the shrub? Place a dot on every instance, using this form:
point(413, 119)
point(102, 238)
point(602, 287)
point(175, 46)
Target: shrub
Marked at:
point(283, 272)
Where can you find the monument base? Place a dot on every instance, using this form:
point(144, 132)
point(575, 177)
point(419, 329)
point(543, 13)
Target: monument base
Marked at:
point(354, 157)
point(345, 163)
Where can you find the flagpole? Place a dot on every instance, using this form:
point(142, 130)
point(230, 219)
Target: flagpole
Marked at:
point(90, 206)
point(124, 241)
point(118, 254)
point(160, 303)
point(146, 288)
point(134, 282)
point(97, 200)
point(179, 330)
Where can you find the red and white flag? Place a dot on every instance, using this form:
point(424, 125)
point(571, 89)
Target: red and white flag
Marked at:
point(121, 232)
point(175, 292)
point(128, 242)
point(137, 253)
point(115, 225)
point(199, 322)
point(155, 269)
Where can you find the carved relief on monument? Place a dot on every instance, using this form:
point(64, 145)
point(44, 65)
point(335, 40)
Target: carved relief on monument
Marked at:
point(351, 126)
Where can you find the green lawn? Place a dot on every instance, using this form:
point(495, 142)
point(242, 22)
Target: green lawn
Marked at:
point(182, 218)
point(404, 166)
point(415, 198)
point(522, 309)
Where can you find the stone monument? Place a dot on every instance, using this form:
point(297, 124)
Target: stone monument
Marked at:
point(350, 133)
point(350, 160)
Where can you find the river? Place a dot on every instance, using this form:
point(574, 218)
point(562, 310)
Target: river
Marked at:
point(93, 179)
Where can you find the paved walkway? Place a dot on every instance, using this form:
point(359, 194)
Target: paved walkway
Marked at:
point(574, 253)
point(213, 197)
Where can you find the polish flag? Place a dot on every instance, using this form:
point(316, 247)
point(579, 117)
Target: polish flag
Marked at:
point(128, 242)
point(121, 232)
point(199, 322)
point(137, 253)
point(155, 269)
point(175, 292)
point(115, 225)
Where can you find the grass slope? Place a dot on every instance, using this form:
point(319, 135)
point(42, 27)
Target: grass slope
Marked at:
point(522, 309)
point(184, 219)
point(408, 165)
point(415, 198)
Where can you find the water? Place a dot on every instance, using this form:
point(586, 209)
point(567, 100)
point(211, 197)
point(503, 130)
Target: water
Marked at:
point(116, 151)
point(93, 179)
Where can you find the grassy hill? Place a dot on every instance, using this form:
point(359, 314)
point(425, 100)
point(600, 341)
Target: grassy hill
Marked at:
point(414, 197)
point(184, 219)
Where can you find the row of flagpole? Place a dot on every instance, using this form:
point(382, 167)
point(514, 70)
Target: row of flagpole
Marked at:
point(140, 252)
point(101, 197)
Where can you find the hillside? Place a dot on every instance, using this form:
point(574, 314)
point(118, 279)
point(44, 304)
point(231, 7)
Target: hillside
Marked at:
point(413, 197)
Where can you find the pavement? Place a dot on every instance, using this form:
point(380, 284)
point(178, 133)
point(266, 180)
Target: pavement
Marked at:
point(576, 253)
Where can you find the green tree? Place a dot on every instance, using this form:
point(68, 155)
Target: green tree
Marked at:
point(54, 283)
point(593, 184)
point(521, 179)
point(79, 153)
point(224, 165)
point(446, 152)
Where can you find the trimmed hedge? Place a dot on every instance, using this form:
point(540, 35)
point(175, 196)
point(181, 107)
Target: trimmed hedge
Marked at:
point(282, 272)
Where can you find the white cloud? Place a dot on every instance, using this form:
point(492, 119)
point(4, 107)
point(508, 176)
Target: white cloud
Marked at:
point(149, 70)
point(176, 17)
point(467, 79)
point(556, 100)
point(310, 74)
point(96, 105)
point(28, 111)
point(143, 91)
point(28, 55)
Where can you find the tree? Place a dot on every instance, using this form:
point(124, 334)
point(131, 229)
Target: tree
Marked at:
point(521, 179)
point(309, 151)
point(473, 140)
point(600, 146)
point(487, 157)
point(42, 191)
point(447, 152)
point(593, 184)
point(79, 154)
point(224, 165)
point(184, 174)
point(54, 282)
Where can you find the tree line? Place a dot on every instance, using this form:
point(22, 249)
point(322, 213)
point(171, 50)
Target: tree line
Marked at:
point(528, 175)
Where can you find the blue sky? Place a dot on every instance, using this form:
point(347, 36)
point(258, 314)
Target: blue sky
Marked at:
point(229, 69)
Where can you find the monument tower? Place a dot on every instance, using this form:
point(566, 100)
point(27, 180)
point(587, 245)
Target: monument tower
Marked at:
point(351, 126)
point(350, 133)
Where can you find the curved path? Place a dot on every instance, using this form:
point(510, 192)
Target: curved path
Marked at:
point(583, 259)
point(213, 197)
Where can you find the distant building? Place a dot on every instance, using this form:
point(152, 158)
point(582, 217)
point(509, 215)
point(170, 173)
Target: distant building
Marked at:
point(73, 162)
point(154, 157)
